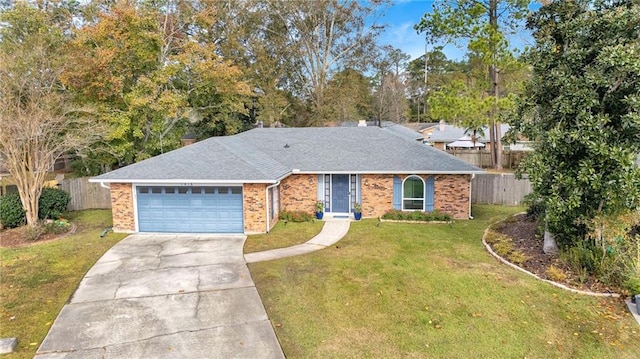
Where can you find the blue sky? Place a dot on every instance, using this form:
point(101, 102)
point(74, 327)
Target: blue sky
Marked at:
point(404, 14)
point(400, 19)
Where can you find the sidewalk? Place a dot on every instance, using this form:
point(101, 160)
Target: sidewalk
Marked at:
point(332, 231)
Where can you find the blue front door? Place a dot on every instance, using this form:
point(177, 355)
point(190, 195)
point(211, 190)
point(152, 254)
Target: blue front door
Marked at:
point(340, 193)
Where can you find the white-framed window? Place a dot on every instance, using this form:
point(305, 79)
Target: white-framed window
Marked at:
point(413, 194)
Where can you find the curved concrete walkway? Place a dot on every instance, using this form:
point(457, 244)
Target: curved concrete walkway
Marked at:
point(332, 231)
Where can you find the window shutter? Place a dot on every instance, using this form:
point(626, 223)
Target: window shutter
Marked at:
point(429, 194)
point(397, 192)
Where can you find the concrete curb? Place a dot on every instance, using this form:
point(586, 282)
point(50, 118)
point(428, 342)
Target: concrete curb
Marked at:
point(562, 286)
point(8, 345)
point(633, 309)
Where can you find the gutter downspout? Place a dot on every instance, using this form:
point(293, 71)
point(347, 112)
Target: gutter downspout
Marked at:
point(266, 196)
point(105, 186)
point(473, 175)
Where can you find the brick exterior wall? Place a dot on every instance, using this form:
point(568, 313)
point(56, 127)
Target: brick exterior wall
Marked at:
point(452, 195)
point(254, 207)
point(122, 207)
point(299, 193)
point(377, 195)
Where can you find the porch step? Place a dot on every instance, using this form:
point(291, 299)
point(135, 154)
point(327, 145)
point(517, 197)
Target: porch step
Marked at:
point(337, 217)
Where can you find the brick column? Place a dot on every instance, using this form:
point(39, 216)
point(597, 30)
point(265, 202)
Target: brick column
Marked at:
point(122, 207)
point(254, 207)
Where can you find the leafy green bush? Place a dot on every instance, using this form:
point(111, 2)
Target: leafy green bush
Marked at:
point(632, 285)
point(618, 265)
point(53, 202)
point(296, 216)
point(535, 206)
point(11, 212)
point(581, 257)
point(398, 215)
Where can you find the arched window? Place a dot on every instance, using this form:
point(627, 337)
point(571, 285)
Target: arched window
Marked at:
point(413, 194)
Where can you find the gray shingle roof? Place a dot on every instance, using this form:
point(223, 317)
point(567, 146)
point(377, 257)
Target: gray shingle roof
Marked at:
point(391, 126)
point(269, 154)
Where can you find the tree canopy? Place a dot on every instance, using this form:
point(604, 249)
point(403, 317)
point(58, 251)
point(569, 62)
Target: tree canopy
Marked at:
point(39, 122)
point(153, 80)
point(483, 25)
point(582, 110)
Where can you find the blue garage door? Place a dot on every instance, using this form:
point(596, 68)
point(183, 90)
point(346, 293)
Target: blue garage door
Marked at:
point(190, 209)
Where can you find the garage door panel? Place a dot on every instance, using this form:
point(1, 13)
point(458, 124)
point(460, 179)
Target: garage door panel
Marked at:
point(169, 202)
point(190, 209)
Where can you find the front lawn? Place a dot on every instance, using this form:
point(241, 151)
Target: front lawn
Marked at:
point(36, 281)
point(397, 290)
point(283, 235)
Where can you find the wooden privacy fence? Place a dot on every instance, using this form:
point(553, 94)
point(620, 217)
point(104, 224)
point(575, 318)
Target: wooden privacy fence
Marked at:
point(482, 159)
point(85, 195)
point(499, 188)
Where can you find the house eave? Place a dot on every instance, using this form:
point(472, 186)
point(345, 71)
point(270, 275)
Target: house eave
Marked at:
point(182, 181)
point(422, 172)
point(188, 182)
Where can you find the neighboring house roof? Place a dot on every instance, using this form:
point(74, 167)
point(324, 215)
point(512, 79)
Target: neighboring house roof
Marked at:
point(401, 130)
point(465, 142)
point(450, 133)
point(266, 155)
point(405, 132)
point(419, 126)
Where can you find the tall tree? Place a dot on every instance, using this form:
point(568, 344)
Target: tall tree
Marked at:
point(426, 77)
point(322, 36)
point(38, 121)
point(252, 37)
point(348, 96)
point(484, 24)
point(153, 71)
point(582, 110)
point(390, 102)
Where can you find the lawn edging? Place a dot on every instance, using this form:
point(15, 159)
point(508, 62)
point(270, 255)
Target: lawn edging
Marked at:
point(556, 284)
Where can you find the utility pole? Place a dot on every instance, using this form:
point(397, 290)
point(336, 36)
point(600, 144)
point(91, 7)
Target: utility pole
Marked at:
point(426, 61)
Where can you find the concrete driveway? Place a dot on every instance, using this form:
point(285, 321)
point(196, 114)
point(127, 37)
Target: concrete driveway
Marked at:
point(165, 296)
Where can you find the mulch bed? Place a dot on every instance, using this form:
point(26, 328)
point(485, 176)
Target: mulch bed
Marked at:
point(19, 237)
point(522, 231)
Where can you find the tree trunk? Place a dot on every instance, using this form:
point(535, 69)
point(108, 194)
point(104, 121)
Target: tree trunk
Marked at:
point(494, 133)
point(549, 246)
point(31, 209)
point(497, 150)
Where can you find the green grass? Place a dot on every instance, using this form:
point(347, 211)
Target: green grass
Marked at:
point(36, 281)
point(431, 290)
point(283, 235)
